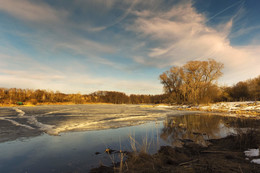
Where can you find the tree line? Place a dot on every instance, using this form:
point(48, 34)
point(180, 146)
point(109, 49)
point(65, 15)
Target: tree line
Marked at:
point(242, 91)
point(29, 96)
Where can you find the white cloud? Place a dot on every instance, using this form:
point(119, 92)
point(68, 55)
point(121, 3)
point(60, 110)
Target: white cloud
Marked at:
point(138, 87)
point(81, 45)
point(182, 34)
point(32, 75)
point(20, 71)
point(53, 31)
point(35, 12)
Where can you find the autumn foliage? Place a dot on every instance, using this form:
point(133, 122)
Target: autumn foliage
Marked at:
point(29, 96)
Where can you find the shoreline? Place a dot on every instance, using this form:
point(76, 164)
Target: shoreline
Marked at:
point(222, 155)
point(51, 104)
point(247, 109)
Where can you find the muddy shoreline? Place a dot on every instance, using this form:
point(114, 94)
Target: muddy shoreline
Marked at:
point(222, 155)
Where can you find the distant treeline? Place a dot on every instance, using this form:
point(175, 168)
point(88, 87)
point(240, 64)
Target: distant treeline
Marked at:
point(242, 91)
point(29, 96)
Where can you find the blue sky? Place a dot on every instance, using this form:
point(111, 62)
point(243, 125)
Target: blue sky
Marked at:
point(123, 45)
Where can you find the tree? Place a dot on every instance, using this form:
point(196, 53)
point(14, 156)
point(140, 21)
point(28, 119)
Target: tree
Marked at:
point(193, 82)
point(240, 91)
point(254, 88)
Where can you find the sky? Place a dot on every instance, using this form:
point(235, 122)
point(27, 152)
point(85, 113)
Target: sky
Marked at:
point(82, 46)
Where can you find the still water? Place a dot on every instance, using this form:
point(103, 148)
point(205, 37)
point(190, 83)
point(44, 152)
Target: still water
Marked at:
point(70, 151)
point(79, 151)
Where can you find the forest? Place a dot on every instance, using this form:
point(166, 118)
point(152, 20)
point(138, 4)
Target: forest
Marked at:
point(193, 83)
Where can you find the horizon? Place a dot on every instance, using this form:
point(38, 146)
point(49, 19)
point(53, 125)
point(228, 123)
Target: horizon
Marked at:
point(123, 46)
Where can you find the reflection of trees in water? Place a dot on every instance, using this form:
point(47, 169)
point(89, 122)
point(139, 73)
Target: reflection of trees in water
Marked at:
point(199, 128)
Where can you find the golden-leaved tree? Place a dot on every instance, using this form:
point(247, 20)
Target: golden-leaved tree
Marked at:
point(194, 82)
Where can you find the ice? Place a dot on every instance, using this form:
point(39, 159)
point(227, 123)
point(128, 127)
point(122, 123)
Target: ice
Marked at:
point(257, 161)
point(56, 119)
point(20, 112)
point(164, 106)
point(16, 123)
point(252, 153)
point(43, 127)
point(63, 118)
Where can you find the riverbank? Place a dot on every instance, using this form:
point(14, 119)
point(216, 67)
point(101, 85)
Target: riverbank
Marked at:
point(222, 155)
point(250, 109)
point(25, 104)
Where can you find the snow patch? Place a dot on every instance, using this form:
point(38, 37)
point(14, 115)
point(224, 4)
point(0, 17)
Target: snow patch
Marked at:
point(252, 153)
point(164, 106)
point(257, 161)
